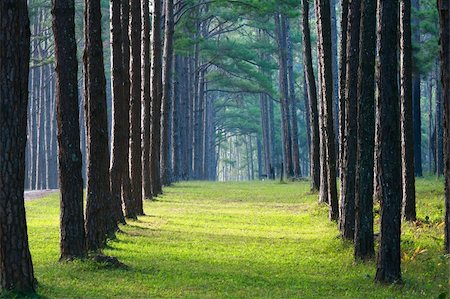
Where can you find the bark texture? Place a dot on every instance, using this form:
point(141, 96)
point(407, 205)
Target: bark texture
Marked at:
point(16, 267)
point(135, 106)
point(72, 233)
point(389, 151)
point(98, 192)
point(348, 156)
point(444, 16)
point(408, 179)
point(312, 99)
point(364, 242)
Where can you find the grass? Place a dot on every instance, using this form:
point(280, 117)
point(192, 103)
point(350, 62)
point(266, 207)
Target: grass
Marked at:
point(239, 240)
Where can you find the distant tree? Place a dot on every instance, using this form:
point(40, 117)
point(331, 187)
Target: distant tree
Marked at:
point(326, 81)
point(135, 105)
point(408, 179)
point(444, 17)
point(98, 191)
point(72, 238)
point(312, 97)
point(389, 152)
point(16, 268)
point(364, 242)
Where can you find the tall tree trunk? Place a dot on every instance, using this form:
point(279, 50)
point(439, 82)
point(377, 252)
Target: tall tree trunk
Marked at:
point(72, 238)
point(389, 152)
point(347, 204)
point(280, 23)
point(324, 29)
point(408, 179)
point(444, 16)
point(312, 99)
point(16, 268)
point(431, 136)
point(119, 127)
point(135, 105)
point(335, 70)
point(98, 194)
point(439, 126)
point(128, 203)
point(146, 100)
point(292, 103)
point(166, 169)
point(342, 78)
point(364, 242)
point(156, 100)
point(416, 94)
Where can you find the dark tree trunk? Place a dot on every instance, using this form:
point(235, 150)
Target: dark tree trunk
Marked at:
point(348, 159)
point(98, 192)
point(119, 127)
point(342, 78)
point(129, 209)
point(135, 106)
point(312, 99)
point(335, 70)
point(389, 152)
point(72, 241)
point(156, 100)
point(364, 242)
point(166, 169)
point(16, 267)
point(408, 179)
point(416, 94)
point(439, 123)
point(146, 100)
point(444, 14)
point(324, 29)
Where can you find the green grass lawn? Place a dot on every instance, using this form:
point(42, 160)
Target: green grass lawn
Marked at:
point(239, 240)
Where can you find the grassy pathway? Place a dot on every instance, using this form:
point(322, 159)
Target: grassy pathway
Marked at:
point(237, 240)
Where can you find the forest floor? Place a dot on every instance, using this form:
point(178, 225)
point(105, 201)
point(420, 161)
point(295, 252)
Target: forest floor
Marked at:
point(239, 240)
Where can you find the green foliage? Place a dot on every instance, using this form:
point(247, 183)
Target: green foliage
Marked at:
point(238, 240)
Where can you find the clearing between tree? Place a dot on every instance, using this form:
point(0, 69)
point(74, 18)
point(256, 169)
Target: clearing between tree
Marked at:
point(239, 240)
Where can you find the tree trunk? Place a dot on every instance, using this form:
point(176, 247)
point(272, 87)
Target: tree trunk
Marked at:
point(73, 242)
point(98, 194)
point(444, 14)
point(156, 100)
point(364, 242)
point(312, 99)
point(324, 29)
point(280, 23)
point(439, 126)
point(335, 70)
point(135, 105)
point(292, 104)
point(119, 143)
point(129, 210)
point(416, 94)
point(348, 159)
point(408, 179)
point(146, 100)
point(342, 78)
point(166, 169)
point(16, 268)
point(389, 159)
